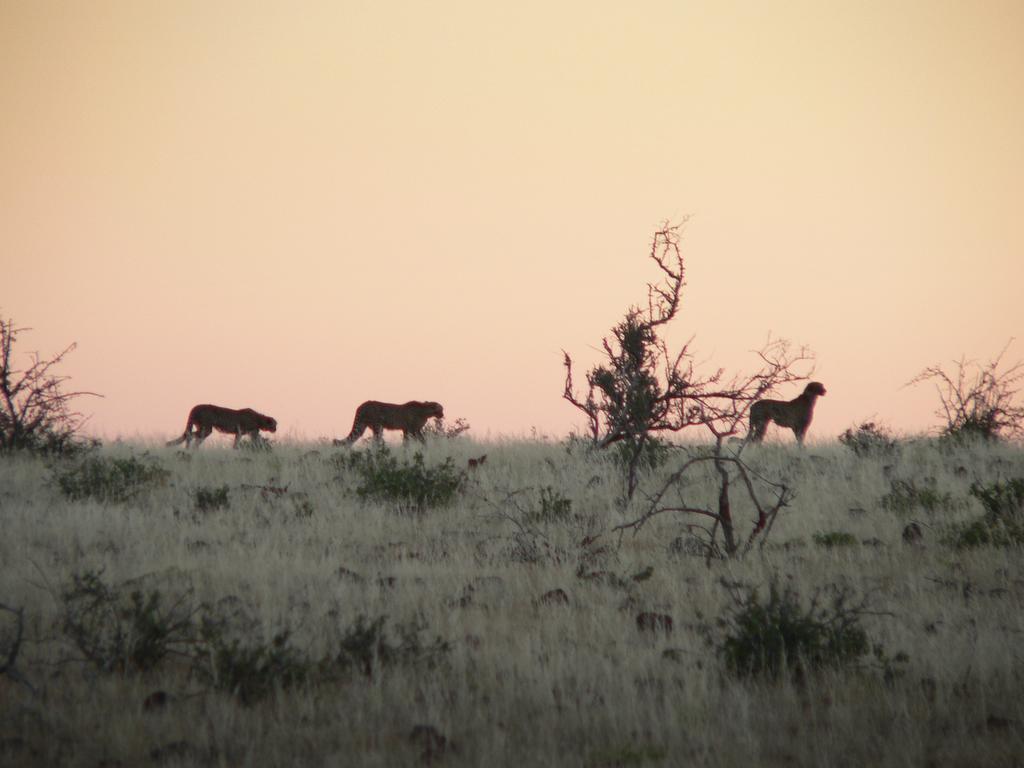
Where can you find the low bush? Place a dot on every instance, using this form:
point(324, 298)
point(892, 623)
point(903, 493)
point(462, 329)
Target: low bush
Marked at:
point(1001, 525)
point(410, 484)
point(832, 539)
point(107, 479)
point(1002, 501)
point(250, 671)
point(779, 635)
point(124, 631)
point(552, 507)
point(366, 646)
point(208, 499)
point(869, 439)
point(906, 497)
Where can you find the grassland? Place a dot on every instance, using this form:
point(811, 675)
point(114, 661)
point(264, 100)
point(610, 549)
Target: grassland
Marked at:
point(435, 636)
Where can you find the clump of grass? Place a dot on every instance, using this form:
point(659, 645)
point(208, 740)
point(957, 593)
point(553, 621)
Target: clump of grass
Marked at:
point(1001, 525)
point(109, 479)
point(780, 635)
point(411, 485)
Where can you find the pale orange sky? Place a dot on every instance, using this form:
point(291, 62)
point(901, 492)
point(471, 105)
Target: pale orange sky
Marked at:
point(299, 206)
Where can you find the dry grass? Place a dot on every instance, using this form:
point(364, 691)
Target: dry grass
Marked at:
point(525, 681)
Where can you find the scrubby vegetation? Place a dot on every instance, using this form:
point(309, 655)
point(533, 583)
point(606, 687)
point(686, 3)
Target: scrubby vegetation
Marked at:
point(869, 439)
point(284, 608)
point(408, 483)
point(779, 635)
point(1002, 524)
point(108, 479)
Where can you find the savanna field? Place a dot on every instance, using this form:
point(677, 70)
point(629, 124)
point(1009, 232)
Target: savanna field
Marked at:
point(314, 605)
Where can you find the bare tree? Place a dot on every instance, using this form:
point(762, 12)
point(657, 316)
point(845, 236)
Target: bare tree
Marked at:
point(978, 401)
point(643, 389)
point(722, 413)
point(35, 411)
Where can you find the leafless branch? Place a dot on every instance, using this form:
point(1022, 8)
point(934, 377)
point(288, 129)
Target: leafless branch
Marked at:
point(978, 400)
point(34, 407)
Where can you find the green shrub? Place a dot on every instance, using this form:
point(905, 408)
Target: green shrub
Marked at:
point(779, 635)
point(123, 632)
point(833, 539)
point(1002, 524)
point(869, 439)
point(208, 499)
point(906, 497)
point(108, 479)
point(411, 485)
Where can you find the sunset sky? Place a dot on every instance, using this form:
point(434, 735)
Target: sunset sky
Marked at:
point(300, 206)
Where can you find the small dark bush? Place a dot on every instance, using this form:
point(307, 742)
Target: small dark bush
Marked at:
point(56, 444)
point(302, 507)
point(554, 507)
point(833, 539)
point(107, 479)
point(906, 497)
point(1002, 524)
point(130, 632)
point(125, 633)
point(969, 432)
point(779, 635)
point(250, 672)
point(411, 485)
point(208, 499)
point(365, 646)
point(1002, 501)
point(869, 439)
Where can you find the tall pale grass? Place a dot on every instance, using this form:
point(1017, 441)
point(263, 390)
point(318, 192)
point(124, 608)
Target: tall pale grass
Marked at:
point(526, 682)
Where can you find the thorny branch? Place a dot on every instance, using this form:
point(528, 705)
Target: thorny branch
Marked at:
point(722, 517)
point(978, 398)
point(33, 403)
